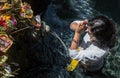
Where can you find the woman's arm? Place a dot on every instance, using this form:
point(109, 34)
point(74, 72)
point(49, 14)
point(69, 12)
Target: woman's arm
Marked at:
point(75, 41)
point(79, 28)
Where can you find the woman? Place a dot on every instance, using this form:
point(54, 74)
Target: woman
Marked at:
point(100, 38)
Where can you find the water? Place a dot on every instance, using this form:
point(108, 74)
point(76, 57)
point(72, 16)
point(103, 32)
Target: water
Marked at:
point(59, 15)
point(46, 57)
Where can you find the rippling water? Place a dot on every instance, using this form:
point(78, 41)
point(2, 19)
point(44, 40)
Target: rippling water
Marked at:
point(59, 15)
point(47, 59)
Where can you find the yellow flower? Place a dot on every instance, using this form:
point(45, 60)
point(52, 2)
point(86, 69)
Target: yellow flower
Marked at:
point(23, 10)
point(29, 16)
point(6, 17)
point(6, 6)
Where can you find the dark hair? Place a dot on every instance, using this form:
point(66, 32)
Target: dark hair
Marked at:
point(104, 30)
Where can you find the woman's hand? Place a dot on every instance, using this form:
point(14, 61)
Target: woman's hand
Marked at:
point(78, 26)
point(81, 27)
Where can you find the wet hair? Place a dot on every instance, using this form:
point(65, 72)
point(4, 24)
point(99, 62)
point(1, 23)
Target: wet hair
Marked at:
point(104, 31)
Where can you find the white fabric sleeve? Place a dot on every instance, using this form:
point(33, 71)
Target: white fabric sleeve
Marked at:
point(90, 56)
point(86, 57)
point(77, 21)
point(83, 56)
point(73, 53)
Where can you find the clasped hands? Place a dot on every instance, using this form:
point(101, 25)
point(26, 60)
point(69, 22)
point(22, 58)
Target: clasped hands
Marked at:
point(79, 26)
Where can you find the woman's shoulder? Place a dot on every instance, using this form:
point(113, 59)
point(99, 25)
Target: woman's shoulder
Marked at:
point(99, 51)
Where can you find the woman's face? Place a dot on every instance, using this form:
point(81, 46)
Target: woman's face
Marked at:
point(92, 38)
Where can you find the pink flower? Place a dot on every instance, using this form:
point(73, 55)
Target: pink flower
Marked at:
point(26, 7)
